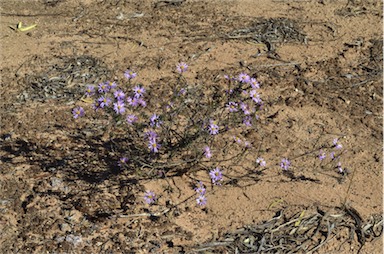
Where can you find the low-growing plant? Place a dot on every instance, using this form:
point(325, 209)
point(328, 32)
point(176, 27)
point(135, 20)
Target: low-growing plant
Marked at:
point(178, 128)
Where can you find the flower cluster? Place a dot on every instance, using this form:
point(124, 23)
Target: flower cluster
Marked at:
point(250, 100)
point(334, 155)
point(200, 190)
point(164, 129)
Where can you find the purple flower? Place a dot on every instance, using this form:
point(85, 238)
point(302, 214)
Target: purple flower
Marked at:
point(131, 119)
point(207, 152)
point(155, 121)
point(78, 112)
point(261, 162)
point(90, 90)
point(139, 91)
point(232, 106)
point(247, 121)
point(332, 155)
point(149, 197)
point(285, 163)
point(111, 85)
point(213, 128)
point(129, 74)
point(153, 145)
point(103, 87)
point(243, 78)
point(216, 176)
point(119, 107)
point(335, 143)
point(96, 105)
point(103, 101)
point(229, 92)
point(134, 102)
point(141, 102)
point(181, 67)
point(339, 168)
point(254, 83)
point(170, 106)
point(255, 96)
point(245, 108)
point(182, 91)
point(201, 200)
point(123, 161)
point(200, 189)
point(237, 140)
point(322, 155)
point(244, 93)
point(119, 95)
point(151, 135)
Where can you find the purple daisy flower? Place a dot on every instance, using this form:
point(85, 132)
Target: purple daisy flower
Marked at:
point(261, 162)
point(119, 95)
point(213, 128)
point(285, 164)
point(336, 144)
point(181, 67)
point(247, 121)
point(207, 152)
point(129, 74)
point(103, 87)
point(78, 112)
point(155, 121)
point(151, 135)
point(254, 83)
point(134, 102)
point(123, 161)
point(153, 145)
point(139, 91)
point(216, 176)
point(322, 155)
point(232, 106)
point(90, 90)
point(182, 92)
point(103, 101)
point(119, 107)
point(141, 102)
point(243, 78)
point(237, 140)
point(201, 200)
point(149, 197)
point(200, 189)
point(111, 85)
point(131, 119)
point(245, 108)
point(339, 168)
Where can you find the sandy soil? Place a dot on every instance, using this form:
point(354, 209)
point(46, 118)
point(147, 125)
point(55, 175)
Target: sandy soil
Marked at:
point(61, 191)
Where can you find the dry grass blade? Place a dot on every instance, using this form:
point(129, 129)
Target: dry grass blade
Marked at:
point(273, 30)
point(297, 234)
